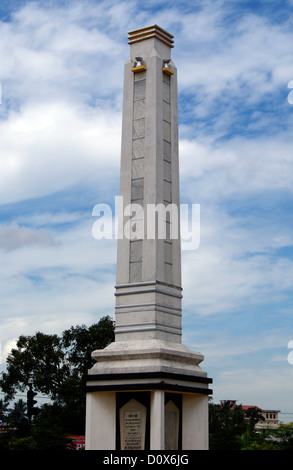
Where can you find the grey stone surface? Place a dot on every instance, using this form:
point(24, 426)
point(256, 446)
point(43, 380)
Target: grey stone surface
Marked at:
point(138, 148)
point(167, 170)
point(151, 355)
point(149, 175)
point(167, 191)
point(167, 131)
point(135, 251)
point(139, 89)
point(137, 186)
point(166, 92)
point(138, 128)
point(140, 76)
point(171, 426)
point(167, 150)
point(132, 417)
point(166, 112)
point(168, 252)
point(135, 273)
point(138, 169)
point(168, 273)
point(139, 109)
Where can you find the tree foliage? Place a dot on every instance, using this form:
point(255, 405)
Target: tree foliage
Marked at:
point(228, 422)
point(58, 366)
point(234, 428)
point(40, 355)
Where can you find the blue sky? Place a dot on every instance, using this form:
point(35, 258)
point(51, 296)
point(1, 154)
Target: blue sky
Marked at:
point(61, 76)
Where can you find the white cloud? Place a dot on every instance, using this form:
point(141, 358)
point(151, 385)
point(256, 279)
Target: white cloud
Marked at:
point(222, 55)
point(68, 283)
point(250, 387)
point(13, 237)
point(48, 147)
point(238, 166)
point(61, 117)
point(235, 266)
point(60, 49)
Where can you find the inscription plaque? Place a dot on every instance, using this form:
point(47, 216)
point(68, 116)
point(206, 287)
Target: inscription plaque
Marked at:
point(171, 426)
point(132, 425)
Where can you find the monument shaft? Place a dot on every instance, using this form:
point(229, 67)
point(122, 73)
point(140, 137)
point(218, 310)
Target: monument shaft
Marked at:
point(148, 290)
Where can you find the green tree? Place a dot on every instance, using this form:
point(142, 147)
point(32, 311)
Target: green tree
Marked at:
point(284, 434)
point(17, 412)
point(17, 418)
point(261, 440)
point(233, 428)
point(227, 423)
point(80, 341)
point(59, 367)
point(3, 410)
point(253, 416)
point(49, 430)
point(40, 355)
point(22, 443)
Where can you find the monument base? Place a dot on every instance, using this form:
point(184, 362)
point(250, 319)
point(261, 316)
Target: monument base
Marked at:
point(147, 395)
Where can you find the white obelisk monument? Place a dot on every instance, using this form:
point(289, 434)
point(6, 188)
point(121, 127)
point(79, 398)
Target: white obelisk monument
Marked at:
point(146, 389)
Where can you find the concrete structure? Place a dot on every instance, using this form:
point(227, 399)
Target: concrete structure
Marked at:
point(147, 363)
point(270, 417)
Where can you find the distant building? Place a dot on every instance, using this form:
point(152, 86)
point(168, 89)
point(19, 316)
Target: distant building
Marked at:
point(271, 417)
